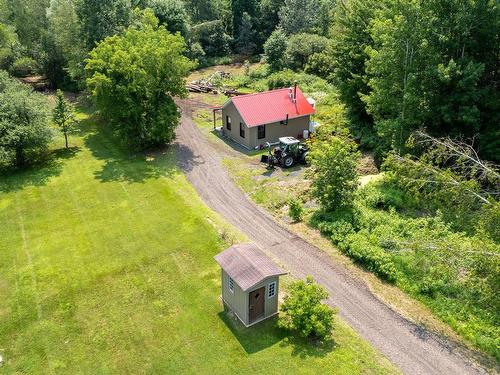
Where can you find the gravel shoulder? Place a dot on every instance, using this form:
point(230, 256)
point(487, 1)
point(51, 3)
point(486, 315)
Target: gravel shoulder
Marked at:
point(410, 347)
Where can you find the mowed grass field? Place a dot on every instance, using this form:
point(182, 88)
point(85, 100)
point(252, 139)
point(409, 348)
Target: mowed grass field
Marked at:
point(106, 266)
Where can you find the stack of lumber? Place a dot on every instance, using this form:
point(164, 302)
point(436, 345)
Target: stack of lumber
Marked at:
point(208, 86)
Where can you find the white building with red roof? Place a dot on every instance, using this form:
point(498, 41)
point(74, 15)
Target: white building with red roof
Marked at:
point(254, 119)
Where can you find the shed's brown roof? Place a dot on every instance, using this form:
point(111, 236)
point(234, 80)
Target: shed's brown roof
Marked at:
point(247, 265)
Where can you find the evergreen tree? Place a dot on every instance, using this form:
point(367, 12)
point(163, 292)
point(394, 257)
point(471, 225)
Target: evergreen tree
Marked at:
point(63, 115)
point(245, 43)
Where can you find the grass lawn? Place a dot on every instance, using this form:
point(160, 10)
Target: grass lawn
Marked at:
point(106, 267)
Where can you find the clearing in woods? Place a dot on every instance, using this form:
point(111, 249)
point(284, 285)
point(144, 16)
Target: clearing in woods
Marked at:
point(107, 267)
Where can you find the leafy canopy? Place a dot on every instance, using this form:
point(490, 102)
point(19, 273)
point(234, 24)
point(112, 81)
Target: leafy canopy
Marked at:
point(133, 78)
point(24, 123)
point(335, 178)
point(303, 310)
point(274, 49)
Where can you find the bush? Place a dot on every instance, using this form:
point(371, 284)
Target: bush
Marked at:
point(382, 196)
point(278, 80)
point(333, 166)
point(371, 256)
point(24, 66)
point(24, 123)
point(303, 311)
point(295, 209)
point(301, 47)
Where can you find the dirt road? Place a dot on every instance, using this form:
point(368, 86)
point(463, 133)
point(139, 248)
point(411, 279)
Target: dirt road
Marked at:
point(413, 349)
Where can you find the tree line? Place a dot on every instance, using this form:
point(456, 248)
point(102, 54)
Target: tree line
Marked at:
point(398, 66)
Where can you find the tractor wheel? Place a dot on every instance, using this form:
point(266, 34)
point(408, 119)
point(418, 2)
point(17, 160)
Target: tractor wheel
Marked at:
point(287, 161)
point(303, 158)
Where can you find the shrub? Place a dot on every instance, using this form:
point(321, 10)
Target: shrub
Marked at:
point(333, 169)
point(371, 256)
point(295, 209)
point(284, 78)
point(301, 47)
point(24, 67)
point(303, 311)
point(24, 123)
point(383, 196)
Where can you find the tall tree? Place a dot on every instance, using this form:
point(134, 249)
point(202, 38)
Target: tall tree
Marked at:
point(245, 43)
point(268, 18)
point(303, 16)
point(133, 78)
point(350, 38)
point(102, 18)
point(202, 10)
point(30, 23)
point(172, 14)
point(239, 8)
point(65, 40)
point(433, 65)
point(275, 48)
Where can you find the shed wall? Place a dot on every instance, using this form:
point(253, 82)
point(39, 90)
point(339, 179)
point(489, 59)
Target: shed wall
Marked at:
point(237, 300)
point(274, 130)
point(230, 110)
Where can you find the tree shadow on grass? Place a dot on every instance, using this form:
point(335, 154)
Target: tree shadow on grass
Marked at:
point(37, 174)
point(305, 347)
point(255, 338)
point(262, 335)
point(122, 165)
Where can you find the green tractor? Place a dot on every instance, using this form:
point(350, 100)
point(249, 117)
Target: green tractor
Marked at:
point(288, 153)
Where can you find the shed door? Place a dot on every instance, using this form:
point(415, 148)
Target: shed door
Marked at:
point(256, 304)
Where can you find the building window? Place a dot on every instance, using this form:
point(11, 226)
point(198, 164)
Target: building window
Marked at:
point(271, 290)
point(231, 285)
point(261, 132)
point(228, 123)
point(242, 130)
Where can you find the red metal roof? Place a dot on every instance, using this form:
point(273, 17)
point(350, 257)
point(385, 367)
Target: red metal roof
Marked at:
point(271, 106)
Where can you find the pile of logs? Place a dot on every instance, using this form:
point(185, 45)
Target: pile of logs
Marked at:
point(206, 86)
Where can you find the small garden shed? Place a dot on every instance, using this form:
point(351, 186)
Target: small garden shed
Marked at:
point(250, 282)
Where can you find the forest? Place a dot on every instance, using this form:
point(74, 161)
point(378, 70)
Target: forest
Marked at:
point(415, 83)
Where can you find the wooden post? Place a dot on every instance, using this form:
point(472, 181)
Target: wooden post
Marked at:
point(214, 118)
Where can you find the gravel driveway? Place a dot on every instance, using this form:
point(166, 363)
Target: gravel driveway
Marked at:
point(410, 347)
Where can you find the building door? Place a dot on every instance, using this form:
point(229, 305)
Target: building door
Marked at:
point(256, 304)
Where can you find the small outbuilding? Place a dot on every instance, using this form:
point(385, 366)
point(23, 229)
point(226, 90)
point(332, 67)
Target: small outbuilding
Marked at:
point(256, 119)
point(250, 282)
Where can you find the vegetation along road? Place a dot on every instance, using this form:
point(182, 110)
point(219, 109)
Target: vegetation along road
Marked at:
point(412, 348)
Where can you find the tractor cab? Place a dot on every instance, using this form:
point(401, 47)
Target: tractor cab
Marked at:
point(288, 145)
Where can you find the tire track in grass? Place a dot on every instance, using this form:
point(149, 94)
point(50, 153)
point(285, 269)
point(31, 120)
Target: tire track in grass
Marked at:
point(31, 267)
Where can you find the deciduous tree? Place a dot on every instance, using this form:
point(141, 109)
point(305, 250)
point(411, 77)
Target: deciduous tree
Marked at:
point(334, 174)
point(24, 123)
point(133, 78)
point(275, 48)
